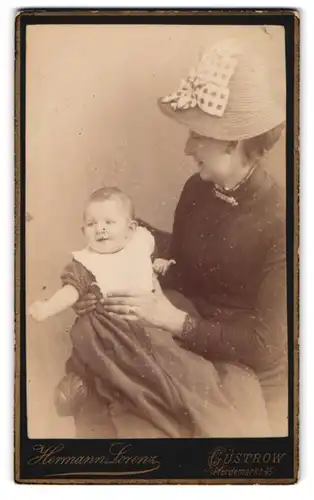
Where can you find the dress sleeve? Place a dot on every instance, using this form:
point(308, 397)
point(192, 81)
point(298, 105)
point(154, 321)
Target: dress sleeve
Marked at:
point(259, 339)
point(76, 275)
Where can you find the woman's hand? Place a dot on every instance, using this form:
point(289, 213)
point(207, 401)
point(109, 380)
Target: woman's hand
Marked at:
point(86, 305)
point(154, 308)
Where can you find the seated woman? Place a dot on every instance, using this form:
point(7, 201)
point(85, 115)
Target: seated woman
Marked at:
point(226, 311)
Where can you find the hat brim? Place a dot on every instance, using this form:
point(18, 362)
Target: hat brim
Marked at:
point(229, 127)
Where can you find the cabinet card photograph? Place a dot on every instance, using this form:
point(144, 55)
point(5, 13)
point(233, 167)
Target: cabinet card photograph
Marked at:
point(156, 231)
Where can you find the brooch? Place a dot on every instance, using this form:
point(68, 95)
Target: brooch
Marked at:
point(224, 197)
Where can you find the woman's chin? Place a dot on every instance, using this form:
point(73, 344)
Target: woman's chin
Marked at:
point(205, 176)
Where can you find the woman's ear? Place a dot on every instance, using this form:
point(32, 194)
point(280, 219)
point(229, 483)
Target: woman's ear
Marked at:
point(231, 146)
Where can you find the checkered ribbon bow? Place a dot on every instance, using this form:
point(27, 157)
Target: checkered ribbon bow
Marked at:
point(207, 84)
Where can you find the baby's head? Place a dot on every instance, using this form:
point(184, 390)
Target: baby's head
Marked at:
point(108, 220)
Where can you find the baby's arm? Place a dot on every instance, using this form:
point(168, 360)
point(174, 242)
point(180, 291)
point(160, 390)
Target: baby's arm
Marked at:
point(64, 298)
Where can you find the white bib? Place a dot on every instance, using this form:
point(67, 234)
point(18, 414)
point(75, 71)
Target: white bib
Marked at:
point(129, 269)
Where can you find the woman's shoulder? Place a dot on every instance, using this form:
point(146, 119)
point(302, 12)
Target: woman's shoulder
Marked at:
point(276, 200)
point(193, 190)
point(193, 181)
point(193, 185)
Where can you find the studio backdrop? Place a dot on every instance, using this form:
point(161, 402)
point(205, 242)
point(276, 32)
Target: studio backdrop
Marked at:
point(92, 120)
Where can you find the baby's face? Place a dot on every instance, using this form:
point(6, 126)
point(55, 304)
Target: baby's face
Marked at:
point(107, 225)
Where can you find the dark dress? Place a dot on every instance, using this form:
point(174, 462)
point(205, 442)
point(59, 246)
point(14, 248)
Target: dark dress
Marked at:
point(231, 263)
point(230, 275)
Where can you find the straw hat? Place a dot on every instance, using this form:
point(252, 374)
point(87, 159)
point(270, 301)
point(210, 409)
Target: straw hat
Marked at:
point(227, 96)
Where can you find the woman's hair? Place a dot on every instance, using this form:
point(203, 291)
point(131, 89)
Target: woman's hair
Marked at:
point(112, 192)
point(256, 147)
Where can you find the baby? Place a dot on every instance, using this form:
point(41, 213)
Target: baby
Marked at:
point(116, 367)
point(118, 254)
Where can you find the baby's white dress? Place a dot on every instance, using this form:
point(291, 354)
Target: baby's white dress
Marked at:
point(129, 269)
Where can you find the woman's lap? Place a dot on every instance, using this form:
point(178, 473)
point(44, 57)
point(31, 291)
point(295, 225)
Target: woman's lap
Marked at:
point(99, 421)
point(229, 403)
point(241, 383)
point(238, 383)
point(236, 409)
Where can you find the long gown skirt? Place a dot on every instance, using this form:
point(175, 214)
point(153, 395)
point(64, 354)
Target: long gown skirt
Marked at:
point(144, 385)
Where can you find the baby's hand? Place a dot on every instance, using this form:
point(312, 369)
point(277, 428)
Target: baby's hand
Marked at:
point(38, 311)
point(161, 266)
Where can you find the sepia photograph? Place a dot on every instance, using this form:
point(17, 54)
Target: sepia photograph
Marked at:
point(155, 273)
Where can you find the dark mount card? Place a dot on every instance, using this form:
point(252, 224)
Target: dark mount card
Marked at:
point(100, 112)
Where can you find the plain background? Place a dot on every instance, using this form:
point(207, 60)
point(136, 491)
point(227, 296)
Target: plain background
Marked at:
point(307, 273)
point(92, 120)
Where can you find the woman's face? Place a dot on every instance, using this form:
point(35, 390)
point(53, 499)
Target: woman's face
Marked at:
point(212, 157)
